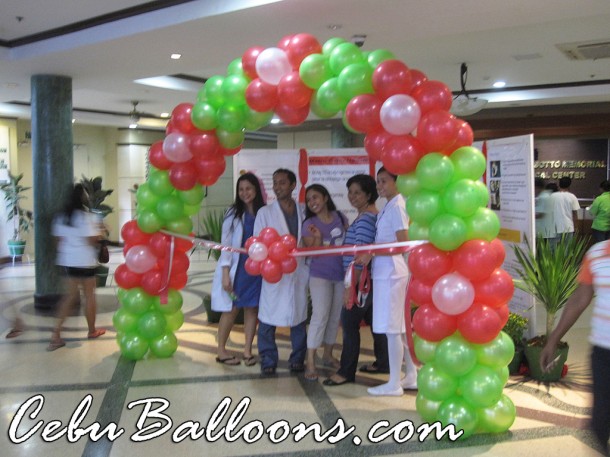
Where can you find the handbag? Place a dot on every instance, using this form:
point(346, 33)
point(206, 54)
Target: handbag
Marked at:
point(103, 256)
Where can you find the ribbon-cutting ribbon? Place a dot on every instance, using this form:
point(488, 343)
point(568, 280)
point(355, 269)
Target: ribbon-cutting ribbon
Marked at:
point(360, 291)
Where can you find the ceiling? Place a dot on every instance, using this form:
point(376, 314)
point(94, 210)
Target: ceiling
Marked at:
point(105, 46)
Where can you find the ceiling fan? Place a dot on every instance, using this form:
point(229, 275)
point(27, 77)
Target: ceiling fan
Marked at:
point(463, 104)
point(134, 115)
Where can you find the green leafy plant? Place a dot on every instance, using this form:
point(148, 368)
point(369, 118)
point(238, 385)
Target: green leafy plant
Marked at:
point(515, 327)
point(13, 195)
point(212, 224)
point(96, 195)
point(550, 274)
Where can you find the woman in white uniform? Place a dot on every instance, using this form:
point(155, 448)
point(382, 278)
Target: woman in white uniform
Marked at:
point(390, 279)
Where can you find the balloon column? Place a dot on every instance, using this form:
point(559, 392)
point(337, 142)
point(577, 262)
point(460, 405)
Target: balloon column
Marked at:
point(458, 285)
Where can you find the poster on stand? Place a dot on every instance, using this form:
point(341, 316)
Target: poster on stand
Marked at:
point(5, 163)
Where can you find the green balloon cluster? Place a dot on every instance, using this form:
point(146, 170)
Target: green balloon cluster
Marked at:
point(461, 383)
point(144, 324)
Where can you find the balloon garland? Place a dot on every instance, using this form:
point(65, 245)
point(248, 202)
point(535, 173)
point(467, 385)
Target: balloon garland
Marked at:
point(458, 286)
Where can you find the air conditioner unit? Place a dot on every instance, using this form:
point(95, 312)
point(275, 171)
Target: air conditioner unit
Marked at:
point(586, 50)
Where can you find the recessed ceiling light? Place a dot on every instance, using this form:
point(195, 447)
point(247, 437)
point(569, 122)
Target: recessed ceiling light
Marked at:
point(175, 56)
point(334, 26)
point(133, 126)
point(275, 120)
point(499, 84)
point(164, 114)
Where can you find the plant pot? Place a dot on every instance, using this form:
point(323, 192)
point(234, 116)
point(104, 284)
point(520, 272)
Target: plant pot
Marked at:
point(16, 247)
point(214, 316)
point(101, 275)
point(532, 354)
point(515, 364)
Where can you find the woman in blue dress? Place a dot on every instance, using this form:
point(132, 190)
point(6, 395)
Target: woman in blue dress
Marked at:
point(233, 288)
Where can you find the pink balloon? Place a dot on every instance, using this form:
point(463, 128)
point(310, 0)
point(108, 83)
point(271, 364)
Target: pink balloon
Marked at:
point(400, 114)
point(272, 65)
point(452, 294)
point(257, 251)
point(176, 147)
point(140, 259)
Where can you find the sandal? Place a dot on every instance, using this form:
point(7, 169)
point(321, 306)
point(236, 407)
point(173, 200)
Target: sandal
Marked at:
point(372, 368)
point(249, 361)
point(311, 376)
point(228, 360)
point(55, 344)
point(96, 333)
point(14, 333)
point(268, 371)
point(297, 367)
point(331, 382)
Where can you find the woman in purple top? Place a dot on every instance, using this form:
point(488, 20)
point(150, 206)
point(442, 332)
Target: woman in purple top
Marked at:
point(323, 226)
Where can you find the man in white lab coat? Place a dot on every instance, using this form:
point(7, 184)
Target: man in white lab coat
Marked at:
point(283, 304)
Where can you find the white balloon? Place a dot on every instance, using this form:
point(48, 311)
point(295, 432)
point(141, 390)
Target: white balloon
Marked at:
point(140, 259)
point(400, 114)
point(176, 147)
point(452, 294)
point(272, 65)
point(257, 251)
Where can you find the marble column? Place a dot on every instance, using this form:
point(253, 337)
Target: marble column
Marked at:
point(53, 175)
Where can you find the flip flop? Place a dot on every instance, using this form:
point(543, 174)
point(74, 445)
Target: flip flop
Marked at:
point(332, 382)
point(372, 368)
point(250, 361)
point(55, 344)
point(268, 371)
point(311, 376)
point(228, 360)
point(96, 333)
point(14, 333)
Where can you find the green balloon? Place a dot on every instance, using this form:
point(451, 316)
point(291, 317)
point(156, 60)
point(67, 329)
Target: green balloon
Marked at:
point(503, 373)
point(482, 192)
point(235, 67)
point(427, 409)
point(146, 198)
point(379, 55)
point(499, 417)
point(133, 346)
point(213, 91)
point(435, 384)
point(152, 324)
point(408, 184)
point(170, 207)
point(316, 109)
point(193, 196)
point(462, 198)
point(329, 97)
point(418, 231)
point(424, 349)
point(231, 117)
point(174, 302)
point(455, 356)
point(201, 95)
point(497, 353)
point(204, 116)
point(121, 294)
point(137, 301)
point(458, 412)
point(174, 321)
point(159, 183)
point(424, 206)
point(256, 120)
point(191, 210)
point(124, 321)
point(164, 346)
point(469, 163)
point(330, 44)
point(230, 140)
point(434, 171)
point(344, 54)
point(355, 79)
point(447, 232)
point(482, 225)
point(481, 387)
point(234, 89)
point(182, 225)
point(315, 70)
point(149, 221)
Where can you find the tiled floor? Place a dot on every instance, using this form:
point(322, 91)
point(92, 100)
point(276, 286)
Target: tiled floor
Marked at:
point(191, 386)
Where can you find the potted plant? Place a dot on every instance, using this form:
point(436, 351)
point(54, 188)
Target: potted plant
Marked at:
point(95, 204)
point(549, 275)
point(515, 327)
point(21, 218)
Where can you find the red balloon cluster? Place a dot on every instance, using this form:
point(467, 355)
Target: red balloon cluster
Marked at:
point(465, 290)
point(146, 261)
point(269, 255)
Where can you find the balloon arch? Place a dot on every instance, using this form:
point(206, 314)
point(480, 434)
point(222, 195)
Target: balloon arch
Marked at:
point(458, 286)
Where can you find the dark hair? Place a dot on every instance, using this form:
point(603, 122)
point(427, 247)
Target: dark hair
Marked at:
point(539, 182)
point(321, 190)
point(239, 207)
point(291, 176)
point(367, 184)
point(605, 186)
point(384, 170)
point(565, 182)
point(552, 186)
point(74, 202)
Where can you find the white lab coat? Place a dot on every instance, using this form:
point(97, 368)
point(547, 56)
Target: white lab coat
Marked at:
point(232, 233)
point(283, 304)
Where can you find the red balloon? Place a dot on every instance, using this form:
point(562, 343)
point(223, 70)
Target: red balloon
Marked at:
point(432, 325)
point(431, 95)
point(180, 263)
point(289, 241)
point(480, 324)
point(300, 46)
point(183, 176)
point(292, 116)
point(503, 313)
point(178, 281)
point(131, 233)
point(261, 96)
point(498, 248)
point(271, 271)
point(277, 251)
point(420, 292)
point(248, 61)
point(400, 154)
point(417, 77)
point(437, 130)
point(268, 236)
point(391, 77)
point(465, 137)
point(252, 267)
point(284, 42)
point(229, 152)
point(152, 281)
point(374, 143)
point(362, 113)
point(204, 145)
point(157, 158)
point(289, 265)
point(125, 278)
point(181, 118)
point(496, 290)
point(292, 92)
point(428, 263)
point(249, 241)
point(475, 259)
point(171, 128)
point(209, 170)
point(160, 244)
